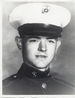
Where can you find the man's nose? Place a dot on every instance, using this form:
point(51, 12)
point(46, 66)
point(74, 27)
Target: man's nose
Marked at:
point(42, 45)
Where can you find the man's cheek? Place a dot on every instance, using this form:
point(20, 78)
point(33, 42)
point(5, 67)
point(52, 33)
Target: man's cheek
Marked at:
point(30, 53)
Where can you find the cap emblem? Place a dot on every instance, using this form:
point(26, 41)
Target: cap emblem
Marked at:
point(45, 9)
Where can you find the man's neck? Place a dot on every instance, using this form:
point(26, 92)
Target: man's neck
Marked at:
point(40, 69)
point(43, 69)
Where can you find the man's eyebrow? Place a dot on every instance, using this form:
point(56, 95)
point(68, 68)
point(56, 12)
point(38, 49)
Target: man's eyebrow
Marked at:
point(33, 37)
point(49, 37)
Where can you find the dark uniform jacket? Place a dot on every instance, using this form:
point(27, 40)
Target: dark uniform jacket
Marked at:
point(31, 81)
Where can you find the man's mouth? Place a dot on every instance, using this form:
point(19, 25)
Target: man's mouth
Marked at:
point(41, 56)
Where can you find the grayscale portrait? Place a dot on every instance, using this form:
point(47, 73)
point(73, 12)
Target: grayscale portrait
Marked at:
point(38, 48)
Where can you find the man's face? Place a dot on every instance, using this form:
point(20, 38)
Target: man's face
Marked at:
point(39, 51)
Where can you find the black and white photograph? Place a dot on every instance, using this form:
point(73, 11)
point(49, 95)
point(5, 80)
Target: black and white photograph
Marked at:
point(38, 47)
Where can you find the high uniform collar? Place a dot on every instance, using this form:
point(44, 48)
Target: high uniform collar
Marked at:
point(31, 72)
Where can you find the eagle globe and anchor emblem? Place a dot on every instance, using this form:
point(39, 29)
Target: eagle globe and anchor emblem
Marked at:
point(45, 9)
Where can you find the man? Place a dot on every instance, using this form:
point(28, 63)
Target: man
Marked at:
point(40, 26)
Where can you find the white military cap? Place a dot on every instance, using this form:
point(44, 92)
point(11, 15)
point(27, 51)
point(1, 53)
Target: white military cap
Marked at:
point(40, 13)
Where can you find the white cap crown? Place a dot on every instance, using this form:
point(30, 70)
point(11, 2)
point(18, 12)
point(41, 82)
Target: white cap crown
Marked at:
point(45, 13)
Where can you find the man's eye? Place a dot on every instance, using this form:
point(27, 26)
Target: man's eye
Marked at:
point(33, 40)
point(51, 41)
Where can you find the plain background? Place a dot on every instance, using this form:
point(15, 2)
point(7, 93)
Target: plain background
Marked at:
point(12, 58)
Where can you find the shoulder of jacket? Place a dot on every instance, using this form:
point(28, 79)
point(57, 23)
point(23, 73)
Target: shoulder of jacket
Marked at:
point(61, 80)
point(9, 80)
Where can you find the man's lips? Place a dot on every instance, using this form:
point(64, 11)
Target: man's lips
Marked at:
point(42, 56)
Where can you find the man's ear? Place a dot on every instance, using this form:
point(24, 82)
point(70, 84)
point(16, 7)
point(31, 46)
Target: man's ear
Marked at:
point(58, 44)
point(18, 42)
